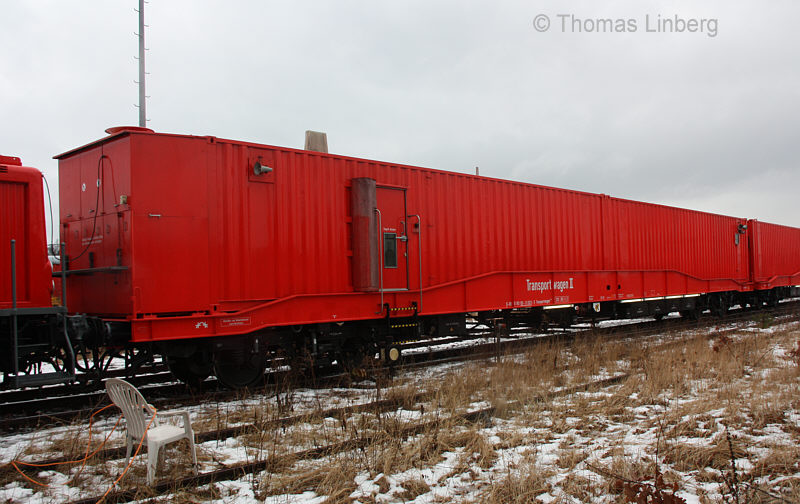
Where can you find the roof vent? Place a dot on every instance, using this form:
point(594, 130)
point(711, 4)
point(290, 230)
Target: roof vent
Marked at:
point(128, 129)
point(316, 141)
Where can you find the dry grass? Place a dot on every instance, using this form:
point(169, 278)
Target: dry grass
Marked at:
point(404, 396)
point(779, 461)
point(789, 489)
point(519, 486)
point(581, 488)
point(413, 488)
point(478, 451)
point(678, 399)
point(717, 455)
point(335, 479)
point(570, 454)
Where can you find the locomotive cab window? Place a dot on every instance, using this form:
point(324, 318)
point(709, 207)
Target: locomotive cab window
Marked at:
point(389, 250)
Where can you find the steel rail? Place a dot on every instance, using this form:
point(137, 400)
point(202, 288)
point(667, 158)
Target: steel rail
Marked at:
point(175, 393)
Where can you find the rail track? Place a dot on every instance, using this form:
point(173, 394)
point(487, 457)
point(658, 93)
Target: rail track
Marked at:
point(17, 397)
point(378, 405)
point(236, 471)
point(164, 391)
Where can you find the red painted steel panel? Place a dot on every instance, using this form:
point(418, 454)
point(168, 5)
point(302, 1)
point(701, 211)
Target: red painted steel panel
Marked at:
point(214, 248)
point(96, 225)
point(22, 219)
point(776, 254)
point(685, 243)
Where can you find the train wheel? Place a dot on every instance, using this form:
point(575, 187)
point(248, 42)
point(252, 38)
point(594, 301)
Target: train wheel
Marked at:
point(358, 354)
point(85, 359)
point(190, 370)
point(719, 306)
point(238, 367)
point(772, 299)
point(94, 362)
point(59, 359)
point(295, 353)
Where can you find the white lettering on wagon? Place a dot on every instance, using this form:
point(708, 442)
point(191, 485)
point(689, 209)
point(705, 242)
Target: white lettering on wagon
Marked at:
point(91, 240)
point(201, 324)
point(559, 285)
point(236, 321)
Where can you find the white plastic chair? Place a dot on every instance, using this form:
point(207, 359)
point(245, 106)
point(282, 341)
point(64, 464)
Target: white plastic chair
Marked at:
point(137, 414)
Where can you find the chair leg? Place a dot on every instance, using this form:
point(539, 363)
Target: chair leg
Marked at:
point(194, 453)
point(128, 449)
point(152, 462)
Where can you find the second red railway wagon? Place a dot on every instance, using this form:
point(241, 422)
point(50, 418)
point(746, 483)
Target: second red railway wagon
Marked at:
point(775, 255)
point(195, 238)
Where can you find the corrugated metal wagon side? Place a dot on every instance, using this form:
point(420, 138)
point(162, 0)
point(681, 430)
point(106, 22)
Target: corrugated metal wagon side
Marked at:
point(212, 250)
point(776, 254)
point(205, 246)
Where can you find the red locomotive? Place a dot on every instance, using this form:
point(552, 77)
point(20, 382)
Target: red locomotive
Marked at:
point(218, 254)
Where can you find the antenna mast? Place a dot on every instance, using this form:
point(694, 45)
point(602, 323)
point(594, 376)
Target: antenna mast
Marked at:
point(142, 97)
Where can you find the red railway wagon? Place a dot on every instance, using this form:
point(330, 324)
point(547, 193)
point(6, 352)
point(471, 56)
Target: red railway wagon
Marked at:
point(213, 250)
point(22, 220)
point(775, 255)
point(32, 330)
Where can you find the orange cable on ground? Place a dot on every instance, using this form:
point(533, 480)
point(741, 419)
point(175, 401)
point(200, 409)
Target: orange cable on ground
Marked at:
point(88, 455)
point(133, 457)
point(83, 460)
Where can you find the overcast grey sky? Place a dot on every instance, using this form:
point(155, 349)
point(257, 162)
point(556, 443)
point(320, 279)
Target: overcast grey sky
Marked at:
point(702, 119)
